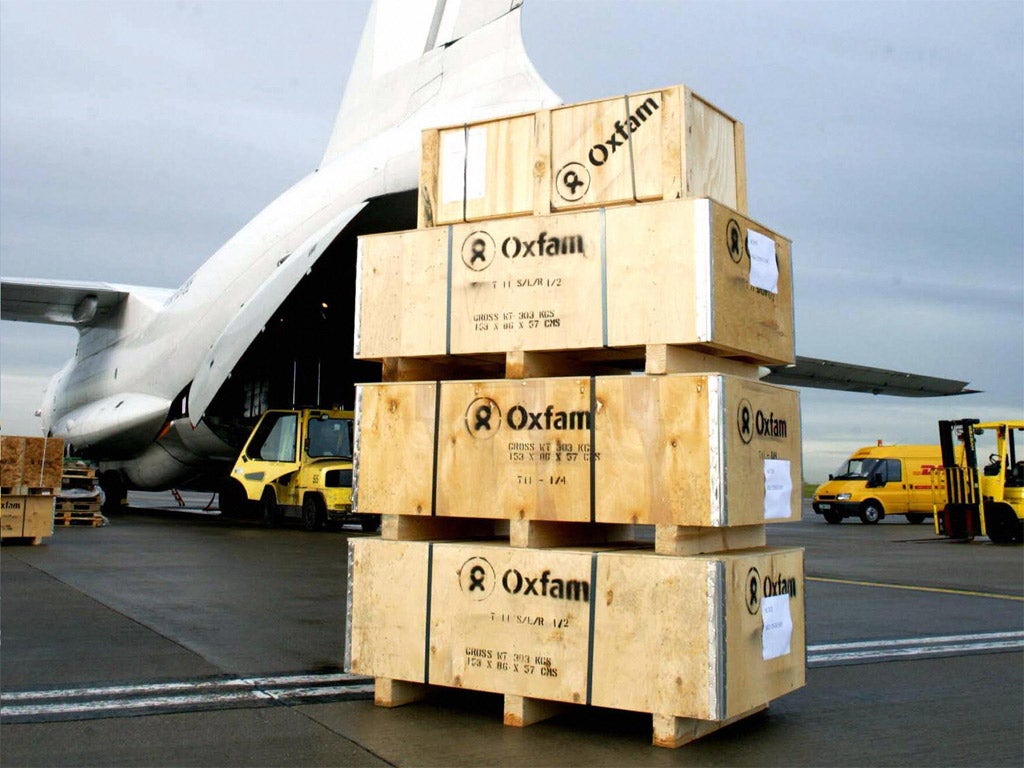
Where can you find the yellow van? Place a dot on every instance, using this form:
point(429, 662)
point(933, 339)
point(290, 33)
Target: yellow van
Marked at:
point(881, 480)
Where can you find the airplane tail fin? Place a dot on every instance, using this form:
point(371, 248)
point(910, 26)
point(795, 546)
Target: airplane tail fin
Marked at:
point(434, 62)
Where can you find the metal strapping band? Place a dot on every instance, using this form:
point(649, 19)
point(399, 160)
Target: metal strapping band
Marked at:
point(426, 632)
point(632, 163)
point(604, 282)
point(437, 430)
point(593, 444)
point(448, 301)
point(590, 630)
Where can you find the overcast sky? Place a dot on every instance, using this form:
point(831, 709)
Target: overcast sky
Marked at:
point(885, 139)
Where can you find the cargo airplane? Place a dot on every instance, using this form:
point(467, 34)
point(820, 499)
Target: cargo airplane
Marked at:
point(164, 385)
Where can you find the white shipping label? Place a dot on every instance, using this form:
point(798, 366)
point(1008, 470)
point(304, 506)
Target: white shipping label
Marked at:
point(777, 630)
point(778, 489)
point(764, 268)
point(453, 166)
point(476, 162)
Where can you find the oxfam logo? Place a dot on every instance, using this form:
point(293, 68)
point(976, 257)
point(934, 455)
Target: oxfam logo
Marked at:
point(753, 591)
point(745, 420)
point(478, 251)
point(476, 577)
point(483, 417)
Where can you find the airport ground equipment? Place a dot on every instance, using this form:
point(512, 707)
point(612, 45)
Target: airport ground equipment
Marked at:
point(881, 480)
point(981, 499)
point(30, 478)
point(297, 464)
point(571, 349)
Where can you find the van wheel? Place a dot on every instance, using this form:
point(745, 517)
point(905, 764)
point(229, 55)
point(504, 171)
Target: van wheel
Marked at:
point(915, 518)
point(871, 512)
point(268, 508)
point(834, 518)
point(313, 512)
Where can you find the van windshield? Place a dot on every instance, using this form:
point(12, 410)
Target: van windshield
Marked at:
point(857, 469)
point(330, 437)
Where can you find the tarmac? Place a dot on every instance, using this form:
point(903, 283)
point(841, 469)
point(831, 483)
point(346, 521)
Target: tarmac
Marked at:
point(176, 638)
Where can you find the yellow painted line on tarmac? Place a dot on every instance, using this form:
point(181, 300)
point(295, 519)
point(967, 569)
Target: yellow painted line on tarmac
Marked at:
point(912, 588)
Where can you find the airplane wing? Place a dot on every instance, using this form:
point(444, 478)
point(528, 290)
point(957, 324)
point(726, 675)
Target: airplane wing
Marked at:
point(63, 302)
point(846, 377)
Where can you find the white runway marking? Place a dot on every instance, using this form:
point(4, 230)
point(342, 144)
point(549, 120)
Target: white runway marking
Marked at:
point(212, 693)
point(180, 696)
point(835, 654)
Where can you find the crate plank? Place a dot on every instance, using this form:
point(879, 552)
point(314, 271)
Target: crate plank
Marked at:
point(387, 625)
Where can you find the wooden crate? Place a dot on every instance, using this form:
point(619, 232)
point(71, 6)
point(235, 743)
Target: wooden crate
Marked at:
point(656, 145)
point(26, 517)
point(702, 450)
point(30, 463)
point(677, 273)
point(678, 637)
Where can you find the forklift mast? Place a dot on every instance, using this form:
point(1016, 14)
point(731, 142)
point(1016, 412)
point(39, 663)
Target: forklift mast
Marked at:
point(962, 514)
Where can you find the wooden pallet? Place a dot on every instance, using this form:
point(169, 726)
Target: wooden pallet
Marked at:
point(26, 490)
point(69, 505)
point(668, 731)
point(89, 519)
point(652, 359)
point(79, 473)
point(546, 534)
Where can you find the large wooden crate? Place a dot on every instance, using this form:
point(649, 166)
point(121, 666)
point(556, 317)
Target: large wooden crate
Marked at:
point(26, 517)
point(701, 637)
point(684, 272)
point(31, 463)
point(655, 145)
point(702, 450)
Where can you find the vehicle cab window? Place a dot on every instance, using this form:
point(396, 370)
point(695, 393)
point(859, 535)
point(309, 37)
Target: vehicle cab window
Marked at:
point(893, 471)
point(275, 438)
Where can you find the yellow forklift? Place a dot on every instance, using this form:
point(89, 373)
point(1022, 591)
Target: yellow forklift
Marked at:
point(297, 464)
point(988, 500)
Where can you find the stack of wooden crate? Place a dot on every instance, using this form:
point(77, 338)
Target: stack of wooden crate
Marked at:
point(570, 345)
point(30, 476)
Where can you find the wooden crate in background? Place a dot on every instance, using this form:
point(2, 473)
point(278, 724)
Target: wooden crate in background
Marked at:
point(26, 517)
point(31, 464)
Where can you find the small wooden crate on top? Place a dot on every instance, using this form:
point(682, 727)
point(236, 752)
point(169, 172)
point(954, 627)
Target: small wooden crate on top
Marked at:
point(655, 145)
